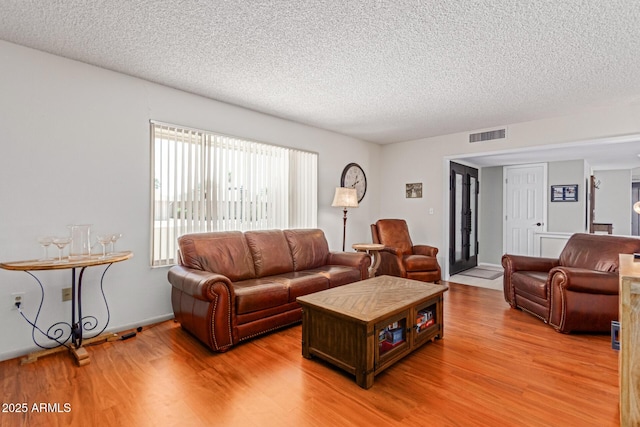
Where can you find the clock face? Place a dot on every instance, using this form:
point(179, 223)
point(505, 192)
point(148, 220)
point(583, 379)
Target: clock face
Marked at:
point(353, 177)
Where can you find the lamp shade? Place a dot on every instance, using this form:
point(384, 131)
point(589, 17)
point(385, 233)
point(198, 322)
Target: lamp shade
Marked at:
point(636, 207)
point(345, 198)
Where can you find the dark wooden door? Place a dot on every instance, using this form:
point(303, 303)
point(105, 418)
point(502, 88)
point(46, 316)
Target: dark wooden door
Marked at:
point(463, 225)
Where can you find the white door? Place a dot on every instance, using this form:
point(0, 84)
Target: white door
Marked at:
point(525, 206)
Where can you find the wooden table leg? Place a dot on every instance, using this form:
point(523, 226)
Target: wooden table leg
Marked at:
point(306, 318)
point(81, 355)
point(376, 263)
point(365, 367)
point(33, 357)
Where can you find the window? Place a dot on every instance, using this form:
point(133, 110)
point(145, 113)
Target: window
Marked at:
point(202, 181)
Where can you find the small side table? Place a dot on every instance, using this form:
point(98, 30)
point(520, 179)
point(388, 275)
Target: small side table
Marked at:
point(373, 250)
point(79, 323)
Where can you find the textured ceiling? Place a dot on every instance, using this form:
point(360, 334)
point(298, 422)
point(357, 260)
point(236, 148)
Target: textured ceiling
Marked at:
point(382, 71)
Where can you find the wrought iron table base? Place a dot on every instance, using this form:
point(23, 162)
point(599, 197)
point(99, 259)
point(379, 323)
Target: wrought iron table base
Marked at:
point(79, 324)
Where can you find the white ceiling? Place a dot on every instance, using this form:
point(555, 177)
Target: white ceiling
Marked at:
point(379, 70)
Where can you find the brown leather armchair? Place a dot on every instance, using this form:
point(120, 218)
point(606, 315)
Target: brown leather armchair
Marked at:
point(400, 257)
point(577, 291)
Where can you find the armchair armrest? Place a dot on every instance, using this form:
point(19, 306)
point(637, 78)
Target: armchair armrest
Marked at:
point(585, 281)
point(513, 263)
point(425, 250)
point(391, 262)
point(582, 300)
point(392, 251)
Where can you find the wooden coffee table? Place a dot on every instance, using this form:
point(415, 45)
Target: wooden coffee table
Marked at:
point(365, 327)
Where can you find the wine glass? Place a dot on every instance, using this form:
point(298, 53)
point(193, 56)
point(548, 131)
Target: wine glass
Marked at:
point(45, 242)
point(114, 239)
point(104, 240)
point(61, 242)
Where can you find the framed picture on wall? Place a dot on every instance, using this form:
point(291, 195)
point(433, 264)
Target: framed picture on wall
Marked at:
point(414, 190)
point(564, 193)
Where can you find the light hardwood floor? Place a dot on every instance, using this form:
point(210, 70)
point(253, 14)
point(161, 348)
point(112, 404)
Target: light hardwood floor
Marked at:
point(495, 367)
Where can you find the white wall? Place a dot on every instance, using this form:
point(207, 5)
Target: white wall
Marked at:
point(490, 218)
point(613, 200)
point(75, 149)
point(568, 216)
point(427, 160)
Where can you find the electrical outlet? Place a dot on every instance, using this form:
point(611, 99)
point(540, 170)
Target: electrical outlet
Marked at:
point(16, 297)
point(66, 294)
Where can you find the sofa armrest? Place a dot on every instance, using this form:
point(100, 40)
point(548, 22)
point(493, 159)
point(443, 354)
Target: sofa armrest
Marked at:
point(513, 263)
point(425, 250)
point(586, 281)
point(204, 304)
point(197, 283)
point(359, 260)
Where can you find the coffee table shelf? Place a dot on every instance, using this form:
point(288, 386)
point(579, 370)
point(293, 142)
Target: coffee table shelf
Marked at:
point(365, 327)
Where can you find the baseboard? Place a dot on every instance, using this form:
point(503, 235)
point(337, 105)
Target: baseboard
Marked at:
point(150, 321)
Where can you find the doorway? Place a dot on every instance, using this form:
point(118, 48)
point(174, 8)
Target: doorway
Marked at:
point(463, 222)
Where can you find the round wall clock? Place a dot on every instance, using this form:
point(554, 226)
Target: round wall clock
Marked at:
point(353, 177)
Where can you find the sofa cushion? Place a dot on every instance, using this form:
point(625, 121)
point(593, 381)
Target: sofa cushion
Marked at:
point(259, 294)
point(309, 248)
point(302, 283)
point(420, 263)
point(338, 275)
point(270, 252)
point(531, 282)
point(224, 252)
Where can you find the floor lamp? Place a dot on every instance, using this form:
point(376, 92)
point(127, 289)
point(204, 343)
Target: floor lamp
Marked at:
point(345, 198)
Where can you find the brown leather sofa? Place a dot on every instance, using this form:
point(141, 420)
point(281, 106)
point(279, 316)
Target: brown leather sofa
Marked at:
point(576, 292)
point(232, 286)
point(400, 257)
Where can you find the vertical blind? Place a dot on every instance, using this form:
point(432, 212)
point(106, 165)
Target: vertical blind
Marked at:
point(202, 181)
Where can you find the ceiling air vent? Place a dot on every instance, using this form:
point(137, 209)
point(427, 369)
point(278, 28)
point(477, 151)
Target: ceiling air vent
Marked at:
point(488, 135)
